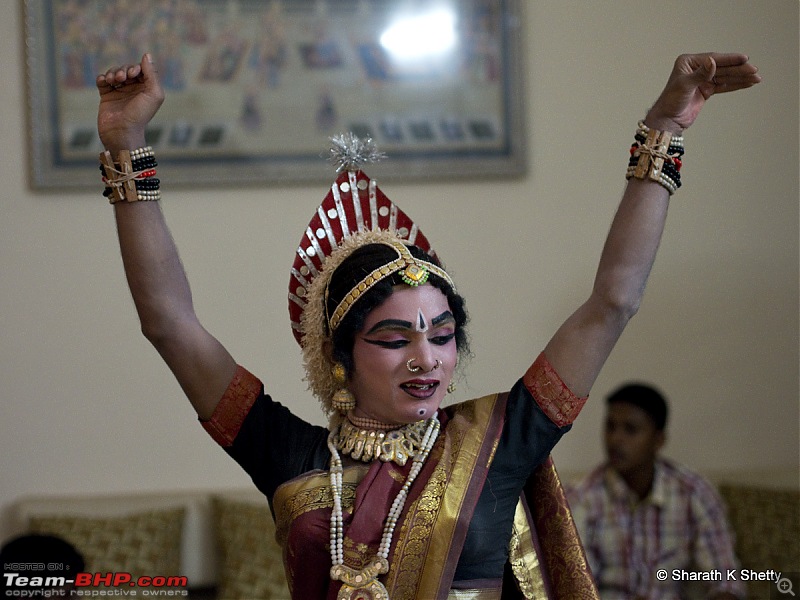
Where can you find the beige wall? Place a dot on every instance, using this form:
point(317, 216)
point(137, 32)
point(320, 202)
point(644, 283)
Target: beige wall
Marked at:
point(89, 407)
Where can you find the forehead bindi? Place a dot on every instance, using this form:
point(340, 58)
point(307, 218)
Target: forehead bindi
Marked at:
point(421, 324)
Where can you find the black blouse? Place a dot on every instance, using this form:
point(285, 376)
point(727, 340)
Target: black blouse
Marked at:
point(274, 446)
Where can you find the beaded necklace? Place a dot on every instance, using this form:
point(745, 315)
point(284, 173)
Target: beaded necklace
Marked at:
point(363, 583)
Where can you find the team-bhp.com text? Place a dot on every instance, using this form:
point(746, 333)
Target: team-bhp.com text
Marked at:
point(94, 584)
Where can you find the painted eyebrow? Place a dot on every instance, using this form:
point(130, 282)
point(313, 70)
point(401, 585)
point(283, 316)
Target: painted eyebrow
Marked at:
point(445, 316)
point(390, 324)
point(400, 324)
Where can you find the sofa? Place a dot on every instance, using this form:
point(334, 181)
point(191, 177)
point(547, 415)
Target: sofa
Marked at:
point(223, 541)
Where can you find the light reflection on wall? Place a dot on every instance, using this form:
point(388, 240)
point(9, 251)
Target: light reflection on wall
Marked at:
point(421, 37)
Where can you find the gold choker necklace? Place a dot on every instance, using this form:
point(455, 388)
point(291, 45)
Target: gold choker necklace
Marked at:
point(396, 445)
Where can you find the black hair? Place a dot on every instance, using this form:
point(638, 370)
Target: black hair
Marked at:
point(356, 267)
point(646, 397)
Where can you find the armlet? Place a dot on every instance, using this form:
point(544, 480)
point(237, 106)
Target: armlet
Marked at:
point(551, 393)
point(233, 407)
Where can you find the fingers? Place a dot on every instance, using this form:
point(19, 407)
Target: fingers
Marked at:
point(150, 74)
point(118, 76)
point(717, 72)
point(144, 73)
point(736, 77)
point(735, 65)
point(707, 70)
point(728, 59)
point(694, 79)
point(148, 68)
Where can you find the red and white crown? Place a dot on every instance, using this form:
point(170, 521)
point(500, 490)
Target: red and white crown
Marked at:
point(353, 205)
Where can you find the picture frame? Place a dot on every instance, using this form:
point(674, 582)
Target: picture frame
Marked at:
point(255, 88)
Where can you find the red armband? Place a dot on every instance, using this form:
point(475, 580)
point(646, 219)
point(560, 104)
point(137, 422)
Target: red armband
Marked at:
point(233, 407)
point(551, 394)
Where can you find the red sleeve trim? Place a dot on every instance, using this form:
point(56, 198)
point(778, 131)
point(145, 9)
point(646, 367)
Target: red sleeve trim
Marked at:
point(233, 407)
point(551, 394)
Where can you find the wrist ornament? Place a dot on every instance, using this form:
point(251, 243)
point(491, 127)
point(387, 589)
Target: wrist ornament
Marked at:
point(132, 177)
point(657, 156)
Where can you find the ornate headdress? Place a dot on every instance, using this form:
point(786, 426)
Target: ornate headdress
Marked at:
point(355, 212)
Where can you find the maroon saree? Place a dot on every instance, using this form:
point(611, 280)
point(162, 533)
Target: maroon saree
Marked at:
point(545, 553)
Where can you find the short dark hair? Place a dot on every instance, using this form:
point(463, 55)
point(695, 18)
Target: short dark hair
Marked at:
point(644, 396)
point(358, 265)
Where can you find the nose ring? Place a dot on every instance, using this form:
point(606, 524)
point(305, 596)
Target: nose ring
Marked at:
point(411, 369)
point(437, 365)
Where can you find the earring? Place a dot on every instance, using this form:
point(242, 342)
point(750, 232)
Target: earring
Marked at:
point(343, 400)
point(451, 387)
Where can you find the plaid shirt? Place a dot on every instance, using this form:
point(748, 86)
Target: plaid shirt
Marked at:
point(680, 525)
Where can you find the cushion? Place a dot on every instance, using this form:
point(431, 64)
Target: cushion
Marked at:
point(146, 543)
point(251, 564)
point(766, 523)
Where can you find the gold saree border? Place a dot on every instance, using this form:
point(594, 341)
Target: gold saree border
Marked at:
point(432, 533)
point(562, 553)
point(488, 594)
point(523, 556)
point(311, 491)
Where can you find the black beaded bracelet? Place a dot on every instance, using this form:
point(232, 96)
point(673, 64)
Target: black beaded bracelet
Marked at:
point(148, 162)
point(150, 183)
point(132, 177)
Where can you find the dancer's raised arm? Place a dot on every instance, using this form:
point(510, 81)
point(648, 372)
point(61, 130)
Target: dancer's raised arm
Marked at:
point(582, 344)
point(130, 96)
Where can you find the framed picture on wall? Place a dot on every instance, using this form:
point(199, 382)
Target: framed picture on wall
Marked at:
point(255, 88)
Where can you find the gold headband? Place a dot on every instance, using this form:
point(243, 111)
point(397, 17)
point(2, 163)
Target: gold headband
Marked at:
point(414, 273)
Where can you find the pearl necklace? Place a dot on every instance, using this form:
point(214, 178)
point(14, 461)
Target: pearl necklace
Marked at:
point(363, 583)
